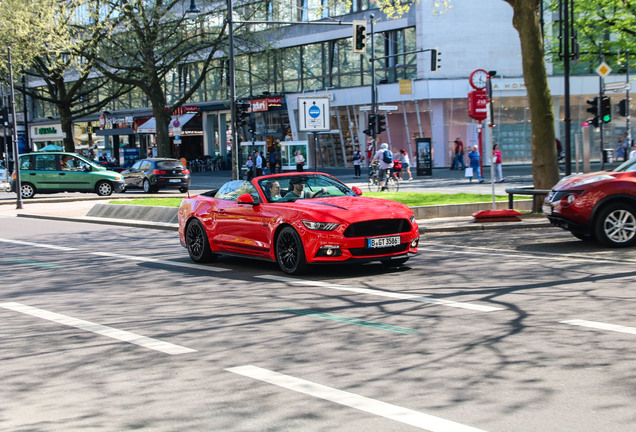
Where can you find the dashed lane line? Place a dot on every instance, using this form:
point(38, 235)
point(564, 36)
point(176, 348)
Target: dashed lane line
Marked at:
point(372, 406)
point(120, 256)
point(390, 294)
point(111, 332)
point(601, 326)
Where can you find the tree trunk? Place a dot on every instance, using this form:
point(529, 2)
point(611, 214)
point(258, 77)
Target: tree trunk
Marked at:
point(545, 167)
point(66, 119)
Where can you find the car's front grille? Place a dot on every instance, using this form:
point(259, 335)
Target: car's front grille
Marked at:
point(378, 227)
point(364, 251)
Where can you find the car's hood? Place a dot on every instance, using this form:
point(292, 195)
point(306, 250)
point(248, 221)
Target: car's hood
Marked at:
point(353, 208)
point(577, 180)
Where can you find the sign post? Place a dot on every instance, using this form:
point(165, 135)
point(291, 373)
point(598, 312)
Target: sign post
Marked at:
point(314, 116)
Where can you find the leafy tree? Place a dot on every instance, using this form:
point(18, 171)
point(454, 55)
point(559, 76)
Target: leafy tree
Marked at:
point(150, 41)
point(610, 22)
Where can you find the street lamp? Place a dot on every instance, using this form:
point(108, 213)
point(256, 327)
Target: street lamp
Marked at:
point(193, 10)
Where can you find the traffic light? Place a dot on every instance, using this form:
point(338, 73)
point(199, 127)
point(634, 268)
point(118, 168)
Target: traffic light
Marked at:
point(371, 125)
point(606, 109)
point(622, 108)
point(359, 35)
point(381, 122)
point(435, 60)
point(242, 112)
point(593, 109)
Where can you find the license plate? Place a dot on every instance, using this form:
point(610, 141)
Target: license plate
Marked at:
point(382, 242)
point(547, 209)
point(174, 181)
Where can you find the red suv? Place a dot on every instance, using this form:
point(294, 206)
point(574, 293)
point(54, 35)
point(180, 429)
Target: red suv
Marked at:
point(599, 205)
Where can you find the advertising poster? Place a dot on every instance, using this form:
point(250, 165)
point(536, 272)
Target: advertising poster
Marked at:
point(424, 157)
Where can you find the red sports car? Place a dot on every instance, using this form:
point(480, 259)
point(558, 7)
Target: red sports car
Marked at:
point(297, 219)
point(598, 205)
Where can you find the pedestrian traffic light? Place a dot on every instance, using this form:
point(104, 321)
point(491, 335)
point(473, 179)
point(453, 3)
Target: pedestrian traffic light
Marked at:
point(593, 109)
point(606, 109)
point(622, 108)
point(371, 125)
point(359, 35)
point(435, 60)
point(381, 122)
point(242, 112)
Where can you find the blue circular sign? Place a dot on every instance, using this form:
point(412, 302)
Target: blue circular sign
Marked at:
point(314, 111)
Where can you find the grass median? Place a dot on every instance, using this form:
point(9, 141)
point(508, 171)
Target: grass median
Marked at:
point(411, 199)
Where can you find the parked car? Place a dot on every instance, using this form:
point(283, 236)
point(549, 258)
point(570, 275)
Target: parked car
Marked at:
point(297, 219)
point(52, 172)
point(597, 206)
point(157, 173)
point(3, 173)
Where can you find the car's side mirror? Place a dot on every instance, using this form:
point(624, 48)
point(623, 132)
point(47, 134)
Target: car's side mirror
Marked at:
point(246, 199)
point(356, 190)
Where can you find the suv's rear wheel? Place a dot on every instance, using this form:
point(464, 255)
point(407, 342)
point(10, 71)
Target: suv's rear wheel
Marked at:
point(616, 225)
point(28, 190)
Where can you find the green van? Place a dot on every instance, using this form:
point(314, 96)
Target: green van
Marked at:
point(51, 172)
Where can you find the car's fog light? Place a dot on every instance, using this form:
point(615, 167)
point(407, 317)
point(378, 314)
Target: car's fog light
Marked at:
point(415, 242)
point(329, 251)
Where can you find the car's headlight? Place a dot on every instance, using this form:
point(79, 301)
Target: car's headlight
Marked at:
point(320, 226)
point(594, 179)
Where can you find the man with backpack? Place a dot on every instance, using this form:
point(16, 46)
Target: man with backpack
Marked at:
point(385, 157)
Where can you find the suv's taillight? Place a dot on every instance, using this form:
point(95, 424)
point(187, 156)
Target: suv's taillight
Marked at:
point(156, 172)
point(186, 171)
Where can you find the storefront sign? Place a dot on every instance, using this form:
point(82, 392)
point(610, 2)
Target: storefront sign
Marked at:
point(259, 105)
point(274, 101)
point(406, 86)
point(47, 130)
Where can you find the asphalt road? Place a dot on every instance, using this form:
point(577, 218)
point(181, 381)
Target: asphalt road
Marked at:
point(109, 328)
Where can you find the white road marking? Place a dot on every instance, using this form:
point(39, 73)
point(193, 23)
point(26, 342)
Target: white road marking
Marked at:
point(397, 295)
point(110, 332)
point(601, 326)
point(474, 250)
point(120, 256)
point(158, 261)
point(352, 400)
point(40, 245)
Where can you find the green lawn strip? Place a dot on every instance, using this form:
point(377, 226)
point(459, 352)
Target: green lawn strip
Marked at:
point(411, 199)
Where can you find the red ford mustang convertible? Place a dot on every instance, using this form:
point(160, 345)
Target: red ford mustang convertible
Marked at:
point(297, 219)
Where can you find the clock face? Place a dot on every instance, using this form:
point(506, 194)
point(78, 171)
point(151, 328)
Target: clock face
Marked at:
point(478, 79)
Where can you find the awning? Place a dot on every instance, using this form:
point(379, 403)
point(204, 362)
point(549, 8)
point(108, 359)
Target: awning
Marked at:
point(150, 127)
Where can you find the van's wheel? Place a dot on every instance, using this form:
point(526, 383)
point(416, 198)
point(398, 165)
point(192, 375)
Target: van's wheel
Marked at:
point(616, 225)
point(290, 254)
point(28, 190)
point(104, 188)
point(197, 243)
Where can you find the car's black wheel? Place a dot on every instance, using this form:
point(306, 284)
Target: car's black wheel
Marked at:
point(197, 242)
point(147, 187)
point(394, 263)
point(104, 188)
point(183, 190)
point(290, 254)
point(616, 225)
point(28, 190)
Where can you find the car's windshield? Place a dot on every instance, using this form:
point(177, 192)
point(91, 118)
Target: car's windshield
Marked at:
point(627, 166)
point(300, 186)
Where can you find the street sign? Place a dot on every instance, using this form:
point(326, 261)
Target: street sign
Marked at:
point(365, 108)
point(387, 108)
point(618, 86)
point(603, 70)
point(314, 115)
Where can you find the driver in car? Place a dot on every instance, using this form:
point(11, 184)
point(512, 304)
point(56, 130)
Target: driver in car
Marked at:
point(298, 191)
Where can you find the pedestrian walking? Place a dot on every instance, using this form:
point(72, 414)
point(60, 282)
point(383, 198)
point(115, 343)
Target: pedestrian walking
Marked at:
point(406, 163)
point(273, 160)
point(459, 155)
point(249, 164)
point(357, 159)
point(369, 150)
point(473, 157)
point(258, 164)
point(496, 160)
point(300, 161)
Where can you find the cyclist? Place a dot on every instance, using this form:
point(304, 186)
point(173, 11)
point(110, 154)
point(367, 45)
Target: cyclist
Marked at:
point(385, 157)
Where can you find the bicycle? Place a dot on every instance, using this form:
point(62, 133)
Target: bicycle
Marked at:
point(391, 183)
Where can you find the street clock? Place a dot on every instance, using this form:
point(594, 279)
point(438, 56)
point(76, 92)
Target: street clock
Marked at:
point(478, 79)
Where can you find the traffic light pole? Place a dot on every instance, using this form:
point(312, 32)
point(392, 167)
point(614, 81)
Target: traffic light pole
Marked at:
point(601, 87)
point(627, 117)
point(16, 153)
point(374, 96)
